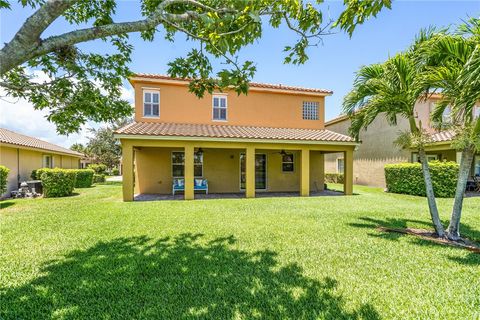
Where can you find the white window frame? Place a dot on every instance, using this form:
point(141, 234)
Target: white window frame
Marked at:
point(152, 92)
point(183, 164)
point(44, 161)
point(430, 157)
point(310, 110)
point(337, 165)
point(288, 162)
point(219, 96)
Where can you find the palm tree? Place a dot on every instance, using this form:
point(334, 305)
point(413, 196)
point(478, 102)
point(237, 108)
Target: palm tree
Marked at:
point(453, 66)
point(392, 88)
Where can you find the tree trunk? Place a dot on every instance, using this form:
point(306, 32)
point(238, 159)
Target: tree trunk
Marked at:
point(453, 231)
point(432, 204)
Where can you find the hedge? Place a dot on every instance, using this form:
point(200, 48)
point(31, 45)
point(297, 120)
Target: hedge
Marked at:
point(84, 178)
point(115, 171)
point(98, 178)
point(3, 179)
point(407, 178)
point(334, 178)
point(57, 182)
point(98, 168)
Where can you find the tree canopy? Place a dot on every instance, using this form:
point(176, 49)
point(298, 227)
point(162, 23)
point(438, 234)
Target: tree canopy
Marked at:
point(84, 86)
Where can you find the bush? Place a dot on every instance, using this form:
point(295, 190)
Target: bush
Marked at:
point(115, 172)
point(84, 178)
point(407, 178)
point(33, 175)
point(57, 182)
point(98, 168)
point(3, 179)
point(98, 178)
point(334, 178)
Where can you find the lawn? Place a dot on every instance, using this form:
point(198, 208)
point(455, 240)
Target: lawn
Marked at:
point(92, 256)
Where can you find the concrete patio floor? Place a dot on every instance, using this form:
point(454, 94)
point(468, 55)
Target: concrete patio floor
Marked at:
point(202, 196)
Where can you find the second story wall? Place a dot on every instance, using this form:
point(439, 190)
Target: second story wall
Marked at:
point(260, 107)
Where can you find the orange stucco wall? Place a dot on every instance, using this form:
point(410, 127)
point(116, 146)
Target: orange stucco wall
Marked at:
point(258, 108)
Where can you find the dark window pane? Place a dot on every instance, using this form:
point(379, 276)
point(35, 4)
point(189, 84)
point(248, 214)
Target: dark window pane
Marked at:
point(287, 157)
point(155, 97)
point(287, 167)
point(178, 170)
point(216, 113)
point(223, 114)
point(198, 170)
point(155, 110)
point(215, 102)
point(198, 158)
point(178, 157)
point(147, 97)
point(147, 109)
point(223, 102)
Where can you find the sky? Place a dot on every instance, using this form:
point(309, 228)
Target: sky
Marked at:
point(332, 64)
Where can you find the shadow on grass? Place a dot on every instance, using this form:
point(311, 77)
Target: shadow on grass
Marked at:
point(109, 183)
point(6, 204)
point(466, 230)
point(175, 278)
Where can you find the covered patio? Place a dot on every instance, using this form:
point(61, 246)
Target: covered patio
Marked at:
point(272, 162)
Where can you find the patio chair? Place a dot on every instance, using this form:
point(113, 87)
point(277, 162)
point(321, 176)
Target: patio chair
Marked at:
point(199, 184)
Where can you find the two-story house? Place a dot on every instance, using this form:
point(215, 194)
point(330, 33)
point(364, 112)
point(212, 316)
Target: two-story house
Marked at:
point(271, 140)
point(378, 148)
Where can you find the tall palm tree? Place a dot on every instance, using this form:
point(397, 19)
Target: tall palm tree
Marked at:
point(392, 89)
point(453, 66)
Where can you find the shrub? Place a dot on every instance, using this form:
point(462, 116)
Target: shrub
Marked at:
point(334, 178)
point(38, 173)
point(98, 168)
point(3, 179)
point(407, 178)
point(98, 178)
point(115, 172)
point(33, 175)
point(57, 182)
point(84, 178)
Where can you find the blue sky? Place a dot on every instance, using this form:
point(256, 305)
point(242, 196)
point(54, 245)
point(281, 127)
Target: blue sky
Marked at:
point(331, 65)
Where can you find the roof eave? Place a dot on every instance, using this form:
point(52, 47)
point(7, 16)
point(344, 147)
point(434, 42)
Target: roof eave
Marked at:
point(218, 139)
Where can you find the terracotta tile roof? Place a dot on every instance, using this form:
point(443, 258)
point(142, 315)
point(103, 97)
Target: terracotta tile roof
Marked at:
point(228, 131)
point(443, 136)
point(10, 137)
point(252, 84)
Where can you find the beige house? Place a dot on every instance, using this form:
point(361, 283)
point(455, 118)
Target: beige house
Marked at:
point(23, 154)
point(378, 149)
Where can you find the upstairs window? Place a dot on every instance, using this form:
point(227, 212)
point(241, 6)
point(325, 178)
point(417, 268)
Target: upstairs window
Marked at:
point(219, 107)
point(151, 103)
point(446, 116)
point(47, 161)
point(310, 110)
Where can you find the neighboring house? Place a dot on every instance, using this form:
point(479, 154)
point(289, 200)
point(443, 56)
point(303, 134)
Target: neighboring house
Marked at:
point(378, 149)
point(271, 140)
point(23, 154)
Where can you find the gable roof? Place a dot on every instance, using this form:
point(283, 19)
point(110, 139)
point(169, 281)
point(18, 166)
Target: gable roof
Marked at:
point(163, 129)
point(280, 87)
point(10, 137)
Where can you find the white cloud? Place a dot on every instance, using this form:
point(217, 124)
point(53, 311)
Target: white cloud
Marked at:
point(19, 115)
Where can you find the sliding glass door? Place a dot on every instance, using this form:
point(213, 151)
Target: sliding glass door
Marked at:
point(260, 171)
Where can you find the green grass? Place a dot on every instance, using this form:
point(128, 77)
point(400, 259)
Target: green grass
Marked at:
point(92, 256)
